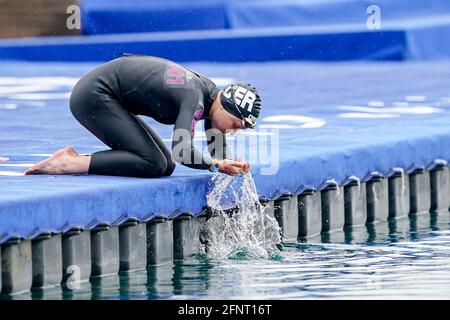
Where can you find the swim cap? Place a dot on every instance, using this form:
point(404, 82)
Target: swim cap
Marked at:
point(242, 101)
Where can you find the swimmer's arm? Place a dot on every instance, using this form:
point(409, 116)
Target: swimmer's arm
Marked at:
point(217, 142)
point(183, 150)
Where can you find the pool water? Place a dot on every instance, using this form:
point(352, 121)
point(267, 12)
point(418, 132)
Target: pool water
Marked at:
point(407, 258)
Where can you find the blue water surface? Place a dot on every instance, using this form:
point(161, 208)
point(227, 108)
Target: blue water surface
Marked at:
point(407, 258)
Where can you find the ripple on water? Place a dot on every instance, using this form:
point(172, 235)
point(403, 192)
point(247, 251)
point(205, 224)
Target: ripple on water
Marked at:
point(411, 263)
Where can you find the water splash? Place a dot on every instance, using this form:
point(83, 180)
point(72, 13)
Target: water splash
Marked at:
point(248, 232)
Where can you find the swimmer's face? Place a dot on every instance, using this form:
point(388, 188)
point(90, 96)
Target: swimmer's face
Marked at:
point(226, 122)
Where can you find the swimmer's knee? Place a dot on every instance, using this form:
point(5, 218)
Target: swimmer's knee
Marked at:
point(158, 169)
point(170, 168)
point(74, 108)
point(80, 103)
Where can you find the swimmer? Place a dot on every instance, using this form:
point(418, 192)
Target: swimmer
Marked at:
point(110, 100)
point(3, 159)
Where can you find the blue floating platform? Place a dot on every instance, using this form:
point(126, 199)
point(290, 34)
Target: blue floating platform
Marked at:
point(244, 45)
point(106, 17)
point(334, 121)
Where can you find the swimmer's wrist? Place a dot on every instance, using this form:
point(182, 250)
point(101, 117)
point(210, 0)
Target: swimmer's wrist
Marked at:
point(214, 166)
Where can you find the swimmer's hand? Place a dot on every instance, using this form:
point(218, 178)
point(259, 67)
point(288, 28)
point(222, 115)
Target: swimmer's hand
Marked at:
point(232, 167)
point(2, 159)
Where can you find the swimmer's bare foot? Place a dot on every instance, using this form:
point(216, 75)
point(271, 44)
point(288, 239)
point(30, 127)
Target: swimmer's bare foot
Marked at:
point(63, 161)
point(3, 159)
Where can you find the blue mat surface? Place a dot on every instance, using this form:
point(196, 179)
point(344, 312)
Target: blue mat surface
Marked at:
point(333, 120)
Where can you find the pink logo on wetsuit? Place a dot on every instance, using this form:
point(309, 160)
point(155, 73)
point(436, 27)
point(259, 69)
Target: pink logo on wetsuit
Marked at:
point(197, 116)
point(178, 77)
point(175, 75)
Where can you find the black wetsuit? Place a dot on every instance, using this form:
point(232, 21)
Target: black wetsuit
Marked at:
point(108, 100)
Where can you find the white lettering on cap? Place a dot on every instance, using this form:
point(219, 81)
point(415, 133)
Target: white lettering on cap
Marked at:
point(249, 99)
point(244, 98)
point(227, 92)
